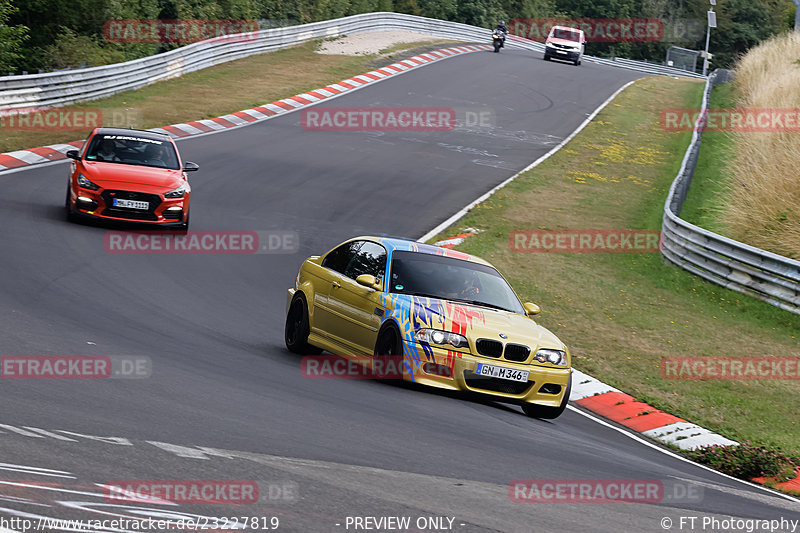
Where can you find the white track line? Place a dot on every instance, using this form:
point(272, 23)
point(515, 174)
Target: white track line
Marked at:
point(665, 451)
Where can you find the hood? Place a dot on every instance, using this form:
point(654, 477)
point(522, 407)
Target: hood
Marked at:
point(563, 42)
point(113, 175)
point(472, 321)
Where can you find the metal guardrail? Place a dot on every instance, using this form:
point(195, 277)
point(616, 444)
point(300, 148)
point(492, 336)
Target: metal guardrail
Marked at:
point(734, 265)
point(653, 68)
point(68, 87)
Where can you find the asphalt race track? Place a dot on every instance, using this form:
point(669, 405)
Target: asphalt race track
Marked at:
point(212, 325)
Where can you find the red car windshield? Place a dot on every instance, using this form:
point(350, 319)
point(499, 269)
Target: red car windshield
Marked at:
point(133, 150)
point(568, 35)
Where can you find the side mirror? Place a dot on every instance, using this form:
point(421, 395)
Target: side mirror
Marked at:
point(531, 309)
point(72, 154)
point(190, 167)
point(369, 281)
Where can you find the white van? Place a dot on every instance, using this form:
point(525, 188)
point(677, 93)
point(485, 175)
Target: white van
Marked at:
point(565, 43)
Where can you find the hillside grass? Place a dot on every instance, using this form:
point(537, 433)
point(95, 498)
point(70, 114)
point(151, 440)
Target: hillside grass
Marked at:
point(762, 206)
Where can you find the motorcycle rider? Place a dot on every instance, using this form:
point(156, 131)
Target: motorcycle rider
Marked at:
point(503, 30)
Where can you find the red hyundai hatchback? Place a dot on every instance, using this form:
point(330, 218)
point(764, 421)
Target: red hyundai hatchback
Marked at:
point(129, 175)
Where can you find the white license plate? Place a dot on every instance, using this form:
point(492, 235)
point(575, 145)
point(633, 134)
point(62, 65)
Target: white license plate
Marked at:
point(501, 372)
point(561, 51)
point(131, 204)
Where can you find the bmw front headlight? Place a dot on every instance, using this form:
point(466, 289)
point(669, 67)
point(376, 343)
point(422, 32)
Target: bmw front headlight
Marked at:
point(556, 357)
point(177, 193)
point(84, 182)
point(437, 336)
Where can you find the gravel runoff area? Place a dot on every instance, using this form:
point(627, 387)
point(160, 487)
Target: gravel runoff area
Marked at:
point(372, 42)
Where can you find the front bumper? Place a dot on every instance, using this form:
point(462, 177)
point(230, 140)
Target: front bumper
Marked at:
point(99, 204)
point(539, 389)
point(560, 53)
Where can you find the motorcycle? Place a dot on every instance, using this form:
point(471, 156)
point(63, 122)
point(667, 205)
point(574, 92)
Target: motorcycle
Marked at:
point(498, 39)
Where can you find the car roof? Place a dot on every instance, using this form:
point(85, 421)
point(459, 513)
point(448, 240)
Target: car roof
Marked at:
point(131, 132)
point(410, 245)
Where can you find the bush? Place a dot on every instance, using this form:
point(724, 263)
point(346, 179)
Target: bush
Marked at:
point(73, 51)
point(748, 460)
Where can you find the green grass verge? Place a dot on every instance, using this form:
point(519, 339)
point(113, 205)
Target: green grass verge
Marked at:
point(622, 313)
point(709, 184)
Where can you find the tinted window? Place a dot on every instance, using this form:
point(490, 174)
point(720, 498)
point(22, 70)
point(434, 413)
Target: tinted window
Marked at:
point(370, 259)
point(448, 278)
point(340, 257)
point(133, 150)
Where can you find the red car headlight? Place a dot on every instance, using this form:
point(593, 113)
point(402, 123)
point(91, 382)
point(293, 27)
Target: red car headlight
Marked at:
point(84, 182)
point(180, 192)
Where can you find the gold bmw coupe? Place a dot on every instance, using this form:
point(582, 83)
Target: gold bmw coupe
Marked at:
point(451, 318)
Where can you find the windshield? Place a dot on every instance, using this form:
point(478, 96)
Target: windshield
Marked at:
point(133, 150)
point(449, 278)
point(568, 35)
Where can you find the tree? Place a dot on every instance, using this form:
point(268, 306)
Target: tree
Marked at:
point(409, 7)
point(363, 6)
point(11, 38)
point(438, 9)
point(484, 13)
point(519, 9)
point(742, 24)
